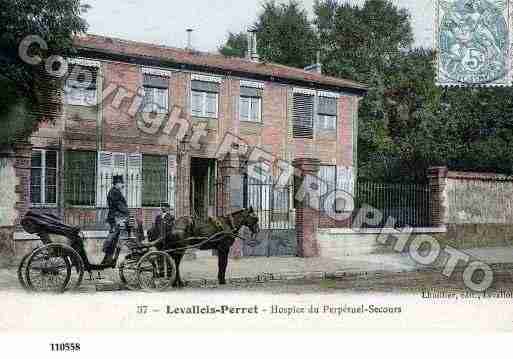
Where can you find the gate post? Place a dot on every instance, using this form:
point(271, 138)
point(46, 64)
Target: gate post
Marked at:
point(437, 181)
point(232, 196)
point(183, 179)
point(307, 218)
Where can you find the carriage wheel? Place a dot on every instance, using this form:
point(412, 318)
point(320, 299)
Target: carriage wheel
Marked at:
point(156, 271)
point(48, 269)
point(77, 268)
point(128, 273)
point(21, 271)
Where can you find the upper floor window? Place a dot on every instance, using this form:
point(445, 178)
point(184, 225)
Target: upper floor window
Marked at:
point(250, 104)
point(327, 114)
point(204, 99)
point(156, 94)
point(302, 115)
point(80, 86)
point(43, 177)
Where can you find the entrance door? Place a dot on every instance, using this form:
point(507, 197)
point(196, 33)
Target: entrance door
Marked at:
point(202, 199)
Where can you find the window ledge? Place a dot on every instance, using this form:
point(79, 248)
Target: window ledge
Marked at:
point(43, 206)
point(260, 123)
point(204, 118)
point(155, 113)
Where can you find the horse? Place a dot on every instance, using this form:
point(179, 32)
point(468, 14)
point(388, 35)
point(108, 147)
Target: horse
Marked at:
point(184, 233)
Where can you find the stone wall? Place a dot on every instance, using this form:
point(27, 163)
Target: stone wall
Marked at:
point(479, 198)
point(8, 207)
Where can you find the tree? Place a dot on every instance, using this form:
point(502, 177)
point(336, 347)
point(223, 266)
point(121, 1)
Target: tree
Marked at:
point(356, 42)
point(24, 87)
point(235, 46)
point(285, 36)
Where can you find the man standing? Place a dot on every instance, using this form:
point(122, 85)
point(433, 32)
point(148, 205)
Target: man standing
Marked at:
point(118, 212)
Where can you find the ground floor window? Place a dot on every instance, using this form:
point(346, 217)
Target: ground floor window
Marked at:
point(80, 178)
point(155, 180)
point(43, 177)
point(327, 185)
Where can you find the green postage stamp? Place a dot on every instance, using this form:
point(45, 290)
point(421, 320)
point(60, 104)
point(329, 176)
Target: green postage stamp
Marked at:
point(473, 42)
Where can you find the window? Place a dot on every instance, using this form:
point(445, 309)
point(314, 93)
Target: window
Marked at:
point(155, 180)
point(327, 114)
point(302, 115)
point(80, 181)
point(43, 177)
point(250, 105)
point(204, 99)
point(80, 86)
point(328, 184)
point(156, 94)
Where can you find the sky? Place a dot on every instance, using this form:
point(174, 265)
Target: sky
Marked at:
point(165, 21)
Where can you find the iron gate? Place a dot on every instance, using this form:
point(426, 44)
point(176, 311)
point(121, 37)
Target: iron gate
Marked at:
point(273, 206)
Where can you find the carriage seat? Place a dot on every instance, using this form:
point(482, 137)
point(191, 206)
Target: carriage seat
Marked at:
point(47, 223)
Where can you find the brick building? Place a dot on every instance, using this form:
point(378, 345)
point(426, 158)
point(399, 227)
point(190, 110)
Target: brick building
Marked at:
point(299, 116)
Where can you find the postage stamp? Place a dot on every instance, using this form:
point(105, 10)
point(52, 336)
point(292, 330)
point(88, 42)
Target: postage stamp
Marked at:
point(473, 42)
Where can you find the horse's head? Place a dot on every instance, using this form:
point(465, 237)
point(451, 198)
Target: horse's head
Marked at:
point(250, 219)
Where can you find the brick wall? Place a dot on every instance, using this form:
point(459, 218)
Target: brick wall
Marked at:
point(117, 130)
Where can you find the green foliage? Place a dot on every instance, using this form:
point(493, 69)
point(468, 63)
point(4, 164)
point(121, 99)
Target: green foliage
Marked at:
point(236, 45)
point(56, 22)
point(285, 36)
point(406, 122)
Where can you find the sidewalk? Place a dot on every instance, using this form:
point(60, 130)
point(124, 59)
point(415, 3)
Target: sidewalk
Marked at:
point(282, 268)
point(203, 271)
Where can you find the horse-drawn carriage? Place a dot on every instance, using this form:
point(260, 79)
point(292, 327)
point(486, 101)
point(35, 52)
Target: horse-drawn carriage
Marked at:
point(148, 265)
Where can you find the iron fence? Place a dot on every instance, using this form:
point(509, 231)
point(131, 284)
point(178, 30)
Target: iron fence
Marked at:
point(408, 204)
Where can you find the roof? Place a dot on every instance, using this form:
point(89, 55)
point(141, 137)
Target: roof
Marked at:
point(109, 46)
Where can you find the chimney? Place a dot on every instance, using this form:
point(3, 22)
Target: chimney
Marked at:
point(317, 67)
point(189, 39)
point(252, 52)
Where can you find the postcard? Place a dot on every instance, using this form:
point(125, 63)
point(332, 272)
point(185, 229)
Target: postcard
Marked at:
point(292, 166)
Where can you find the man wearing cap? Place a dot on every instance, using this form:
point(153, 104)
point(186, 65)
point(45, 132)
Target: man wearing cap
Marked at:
point(118, 211)
point(164, 223)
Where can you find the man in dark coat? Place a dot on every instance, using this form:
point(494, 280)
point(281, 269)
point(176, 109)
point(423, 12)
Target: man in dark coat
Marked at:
point(118, 211)
point(163, 224)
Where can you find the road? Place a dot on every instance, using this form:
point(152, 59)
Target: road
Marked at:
point(397, 283)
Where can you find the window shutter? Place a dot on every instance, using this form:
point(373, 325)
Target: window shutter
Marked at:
point(197, 100)
point(211, 105)
point(171, 180)
point(244, 108)
point(303, 109)
point(133, 182)
point(204, 86)
point(104, 182)
point(255, 109)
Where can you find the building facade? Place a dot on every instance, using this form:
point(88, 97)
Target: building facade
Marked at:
point(121, 102)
